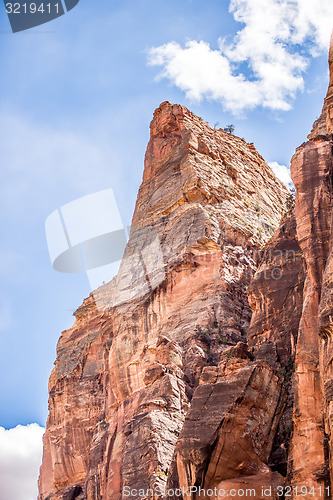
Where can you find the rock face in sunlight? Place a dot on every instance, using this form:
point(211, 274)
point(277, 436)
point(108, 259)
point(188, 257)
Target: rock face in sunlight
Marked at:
point(207, 362)
point(312, 173)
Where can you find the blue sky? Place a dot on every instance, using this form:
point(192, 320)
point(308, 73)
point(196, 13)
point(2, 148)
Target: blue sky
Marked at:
point(76, 99)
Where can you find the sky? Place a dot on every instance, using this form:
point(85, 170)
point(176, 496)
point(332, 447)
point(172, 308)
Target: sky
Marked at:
point(76, 99)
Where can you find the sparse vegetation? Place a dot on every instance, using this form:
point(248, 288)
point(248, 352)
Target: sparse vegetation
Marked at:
point(161, 473)
point(286, 372)
point(257, 208)
point(290, 202)
point(202, 334)
point(287, 429)
point(213, 333)
point(230, 129)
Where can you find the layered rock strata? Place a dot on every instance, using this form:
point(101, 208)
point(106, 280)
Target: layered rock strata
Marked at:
point(229, 430)
point(276, 298)
point(312, 170)
point(207, 362)
point(126, 372)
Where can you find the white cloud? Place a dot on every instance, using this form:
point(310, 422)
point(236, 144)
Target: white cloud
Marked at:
point(20, 459)
point(282, 172)
point(276, 42)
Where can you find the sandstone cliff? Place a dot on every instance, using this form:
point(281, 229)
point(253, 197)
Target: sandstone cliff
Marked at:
point(312, 170)
point(207, 360)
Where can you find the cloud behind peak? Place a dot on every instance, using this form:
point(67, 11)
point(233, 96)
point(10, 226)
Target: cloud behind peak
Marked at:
point(276, 43)
point(20, 459)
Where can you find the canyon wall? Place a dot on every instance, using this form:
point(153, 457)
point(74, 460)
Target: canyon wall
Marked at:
point(206, 362)
point(312, 171)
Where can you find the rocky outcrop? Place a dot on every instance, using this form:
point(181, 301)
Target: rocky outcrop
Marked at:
point(126, 372)
point(229, 430)
point(207, 362)
point(276, 298)
point(311, 169)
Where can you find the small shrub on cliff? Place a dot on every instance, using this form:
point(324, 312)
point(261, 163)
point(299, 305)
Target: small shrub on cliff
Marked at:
point(199, 331)
point(290, 202)
point(286, 372)
point(287, 429)
point(230, 129)
point(257, 208)
point(161, 473)
point(214, 333)
point(202, 334)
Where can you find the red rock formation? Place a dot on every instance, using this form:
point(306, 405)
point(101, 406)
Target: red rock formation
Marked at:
point(165, 379)
point(228, 432)
point(126, 372)
point(311, 169)
point(276, 299)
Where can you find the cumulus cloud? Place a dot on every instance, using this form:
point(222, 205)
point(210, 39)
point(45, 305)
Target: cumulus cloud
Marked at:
point(276, 42)
point(282, 172)
point(20, 459)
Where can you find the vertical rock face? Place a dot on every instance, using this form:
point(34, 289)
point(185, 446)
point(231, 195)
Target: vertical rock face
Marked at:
point(311, 169)
point(276, 298)
point(207, 362)
point(229, 430)
point(126, 372)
